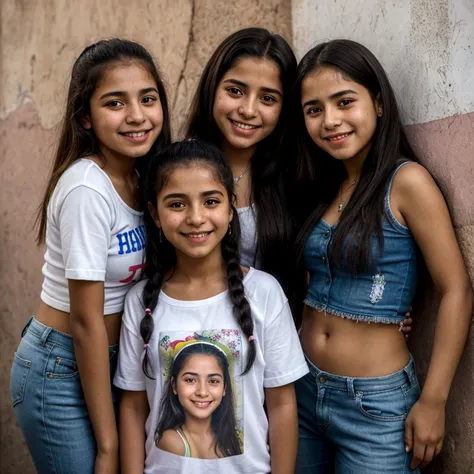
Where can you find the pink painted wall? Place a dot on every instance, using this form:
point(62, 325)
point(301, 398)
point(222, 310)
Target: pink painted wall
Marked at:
point(446, 148)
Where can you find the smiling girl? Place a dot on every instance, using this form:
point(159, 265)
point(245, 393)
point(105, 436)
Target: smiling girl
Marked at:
point(91, 221)
point(378, 213)
point(242, 106)
point(197, 414)
point(195, 287)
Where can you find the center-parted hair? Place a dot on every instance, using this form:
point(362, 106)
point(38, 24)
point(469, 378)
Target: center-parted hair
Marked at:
point(223, 420)
point(75, 141)
point(322, 174)
point(273, 164)
point(161, 255)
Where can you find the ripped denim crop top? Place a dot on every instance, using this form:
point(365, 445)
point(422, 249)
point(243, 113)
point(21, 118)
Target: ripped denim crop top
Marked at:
point(383, 295)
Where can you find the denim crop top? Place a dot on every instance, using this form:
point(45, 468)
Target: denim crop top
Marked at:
point(384, 295)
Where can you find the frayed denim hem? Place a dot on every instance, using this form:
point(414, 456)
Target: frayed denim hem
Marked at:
point(355, 317)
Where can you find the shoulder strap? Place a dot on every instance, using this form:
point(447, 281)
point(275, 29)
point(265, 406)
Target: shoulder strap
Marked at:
point(187, 449)
point(390, 181)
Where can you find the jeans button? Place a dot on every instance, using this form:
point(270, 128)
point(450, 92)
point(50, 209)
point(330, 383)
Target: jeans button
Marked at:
point(322, 379)
point(327, 233)
point(324, 259)
point(326, 280)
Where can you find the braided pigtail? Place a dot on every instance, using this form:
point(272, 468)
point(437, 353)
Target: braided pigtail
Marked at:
point(230, 254)
point(160, 256)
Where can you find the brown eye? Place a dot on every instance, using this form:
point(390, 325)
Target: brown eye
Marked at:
point(235, 91)
point(114, 104)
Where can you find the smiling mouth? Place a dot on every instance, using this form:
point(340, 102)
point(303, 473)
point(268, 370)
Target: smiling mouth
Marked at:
point(337, 137)
point(197, 236)
point(201, 404)
point(244, 126)
point(135, 134)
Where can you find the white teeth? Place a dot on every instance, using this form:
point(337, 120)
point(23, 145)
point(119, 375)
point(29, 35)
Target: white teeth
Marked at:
point(135, 135)
point(201, 404)
point(197, 236)
point(339, 137)
point(243, 125)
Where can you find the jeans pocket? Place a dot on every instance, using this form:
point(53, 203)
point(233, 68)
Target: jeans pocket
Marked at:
point(412, 395)
point(18, 378)
point(63, 368)
point(387, 405)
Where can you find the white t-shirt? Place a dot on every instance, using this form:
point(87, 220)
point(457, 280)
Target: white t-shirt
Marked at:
point(248, 236)
point(91, 234)
point(279, 361)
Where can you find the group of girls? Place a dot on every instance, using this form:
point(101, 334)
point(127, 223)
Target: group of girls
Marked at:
point(295, 197)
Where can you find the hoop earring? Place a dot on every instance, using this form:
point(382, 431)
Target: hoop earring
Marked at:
point(160, 234)
point(229, 232)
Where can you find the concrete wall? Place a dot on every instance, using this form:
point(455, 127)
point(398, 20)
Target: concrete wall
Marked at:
point(426, 47)
point(38, 43)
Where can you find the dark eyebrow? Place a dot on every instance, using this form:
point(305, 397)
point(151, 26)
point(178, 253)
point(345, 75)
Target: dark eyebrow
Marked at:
point(123, 94)
point(196, 375)
point(336, 95)
point(264, 89)
point(183, 195)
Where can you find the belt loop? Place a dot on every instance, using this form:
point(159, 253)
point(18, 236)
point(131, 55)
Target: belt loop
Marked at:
point(27, 325)
point(350, 387)
point(44, 336)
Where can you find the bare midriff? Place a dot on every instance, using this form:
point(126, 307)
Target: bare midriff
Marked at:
point(60, 321)
point(353, 349)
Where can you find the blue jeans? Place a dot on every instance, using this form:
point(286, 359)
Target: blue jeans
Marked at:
point(49, 404)
point(354, 425)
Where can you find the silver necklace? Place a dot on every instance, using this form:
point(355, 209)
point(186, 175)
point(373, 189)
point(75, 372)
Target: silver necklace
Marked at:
point(236, 180)
point(343, 202)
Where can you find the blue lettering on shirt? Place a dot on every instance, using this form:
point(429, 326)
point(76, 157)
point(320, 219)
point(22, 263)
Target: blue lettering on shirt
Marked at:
point(132, 240)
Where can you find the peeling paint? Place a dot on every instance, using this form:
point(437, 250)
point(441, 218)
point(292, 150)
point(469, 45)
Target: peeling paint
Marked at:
point(425, 46)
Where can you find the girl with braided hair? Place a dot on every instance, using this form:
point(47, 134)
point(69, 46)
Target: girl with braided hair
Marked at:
point(194, 285)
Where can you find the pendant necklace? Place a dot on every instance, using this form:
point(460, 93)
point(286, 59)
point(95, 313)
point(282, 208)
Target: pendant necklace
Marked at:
point(343, 202)
point(236, 180)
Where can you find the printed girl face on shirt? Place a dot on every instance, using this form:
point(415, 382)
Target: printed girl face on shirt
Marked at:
point(125, 111)
point(199, 386)
point(248, 102)
point(340, 114)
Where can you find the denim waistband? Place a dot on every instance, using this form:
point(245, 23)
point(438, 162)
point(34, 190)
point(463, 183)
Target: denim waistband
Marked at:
point(40, 334)
point(407, 375)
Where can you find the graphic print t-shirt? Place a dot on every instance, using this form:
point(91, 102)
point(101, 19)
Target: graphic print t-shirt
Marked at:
point(93, 235)
point(279, 361)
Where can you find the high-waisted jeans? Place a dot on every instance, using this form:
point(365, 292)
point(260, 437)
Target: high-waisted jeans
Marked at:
point(354, 425)
point(49, 404)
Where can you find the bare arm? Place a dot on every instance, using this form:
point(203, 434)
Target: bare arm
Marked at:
point(426, 214)
point(283, 427)
point(134, 411)
point(92, 355)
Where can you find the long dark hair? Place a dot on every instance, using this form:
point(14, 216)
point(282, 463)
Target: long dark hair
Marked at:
point(223, 422)
point(275, 225)
point(76, 141)
point(161, 255)
point(322, 175)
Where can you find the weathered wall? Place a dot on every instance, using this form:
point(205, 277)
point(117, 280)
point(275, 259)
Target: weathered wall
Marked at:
point(426, 48)
point(38, 43)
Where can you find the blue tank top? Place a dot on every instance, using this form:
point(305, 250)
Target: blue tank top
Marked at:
point(382, 295)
